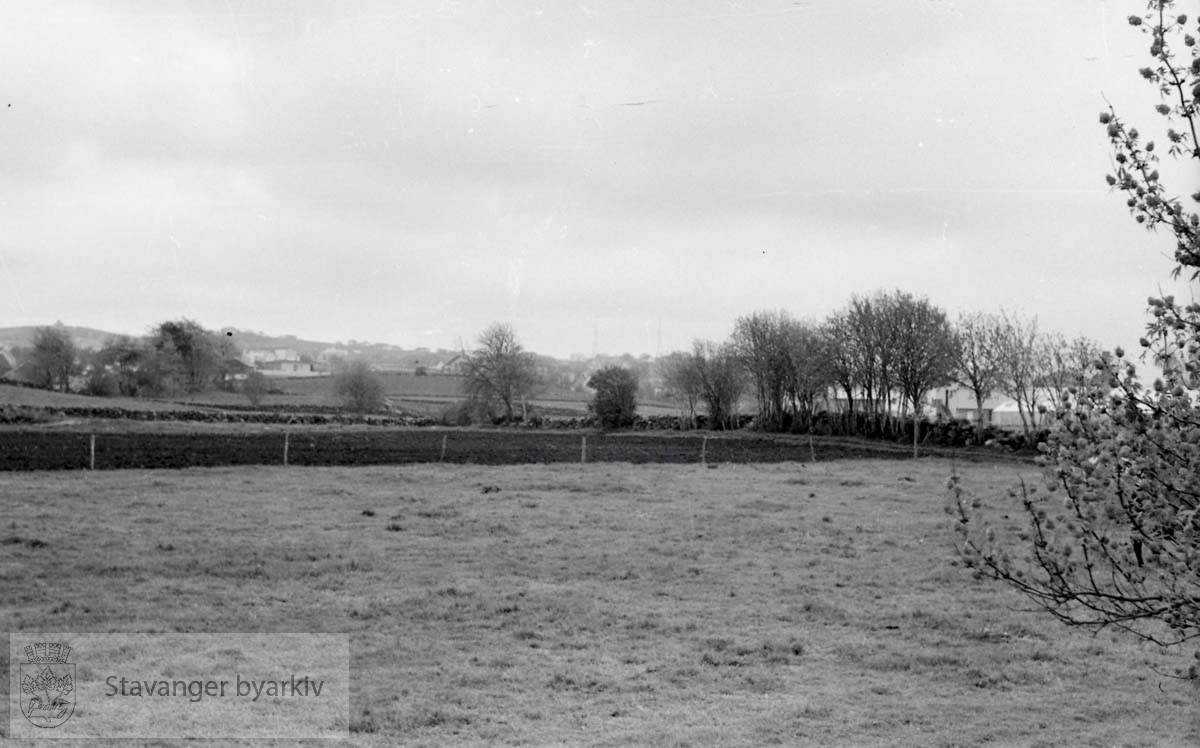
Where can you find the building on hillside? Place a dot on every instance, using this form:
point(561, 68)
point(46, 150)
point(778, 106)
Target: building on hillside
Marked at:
point(280, 362)
point(332, 355)
point(456, 364)
point(258, 356)
point(287, 369)
point(235, 370)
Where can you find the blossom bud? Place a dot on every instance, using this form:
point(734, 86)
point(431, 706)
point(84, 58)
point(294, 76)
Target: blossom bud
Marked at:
point(1105, 118)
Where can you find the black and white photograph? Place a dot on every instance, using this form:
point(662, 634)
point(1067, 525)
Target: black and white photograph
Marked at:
point(721, 373)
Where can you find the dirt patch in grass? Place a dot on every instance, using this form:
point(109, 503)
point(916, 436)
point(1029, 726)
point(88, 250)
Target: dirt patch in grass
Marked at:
point(596, 605)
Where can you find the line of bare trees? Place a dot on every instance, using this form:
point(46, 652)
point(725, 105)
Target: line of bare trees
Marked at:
point(869, 366)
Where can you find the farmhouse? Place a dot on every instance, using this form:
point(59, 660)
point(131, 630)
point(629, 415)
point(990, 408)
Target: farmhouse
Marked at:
point(259, 356)
point(956, 404)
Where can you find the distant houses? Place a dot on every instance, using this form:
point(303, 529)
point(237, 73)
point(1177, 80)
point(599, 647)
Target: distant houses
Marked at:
point(954, 404)
point(288, 362)
point(280, 362)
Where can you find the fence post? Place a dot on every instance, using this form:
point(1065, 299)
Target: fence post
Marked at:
point(285, 448)
point(443, 457)
point(92, 459)
point(704, 451)
point(583, 451)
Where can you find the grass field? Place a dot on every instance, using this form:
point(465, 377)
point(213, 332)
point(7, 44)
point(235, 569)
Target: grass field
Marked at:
point(35, 398)
point(612, 605)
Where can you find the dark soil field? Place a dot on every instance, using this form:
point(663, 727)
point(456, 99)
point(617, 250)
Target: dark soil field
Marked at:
point(71, 447)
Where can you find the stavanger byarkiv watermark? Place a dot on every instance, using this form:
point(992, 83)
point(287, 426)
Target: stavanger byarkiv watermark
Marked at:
point(179, 685)
point(47, 683)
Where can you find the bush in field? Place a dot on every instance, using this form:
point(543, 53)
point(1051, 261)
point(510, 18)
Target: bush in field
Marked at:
point(100, 382)
point(615, 402)
point(464, 413)
point(359, 388)
point(255, 387)
point(1113, 539)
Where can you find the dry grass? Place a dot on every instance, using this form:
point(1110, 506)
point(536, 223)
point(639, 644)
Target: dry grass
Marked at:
point(601, 605)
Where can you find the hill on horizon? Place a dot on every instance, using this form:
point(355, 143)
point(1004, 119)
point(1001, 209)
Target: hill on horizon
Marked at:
point(93, 338)
point(84, 337)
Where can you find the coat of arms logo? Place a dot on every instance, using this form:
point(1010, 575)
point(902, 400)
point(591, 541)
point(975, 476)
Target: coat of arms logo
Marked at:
point(47, 684)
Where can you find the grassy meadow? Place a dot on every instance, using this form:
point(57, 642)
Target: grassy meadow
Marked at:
point(600, 604)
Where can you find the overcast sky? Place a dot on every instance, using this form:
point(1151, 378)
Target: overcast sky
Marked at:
point(409, 172)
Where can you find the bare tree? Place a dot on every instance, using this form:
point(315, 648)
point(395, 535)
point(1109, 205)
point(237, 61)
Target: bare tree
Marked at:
point(499, 372)
point(860, 319)
point(721, 382)
point(925, 351)
point(760, 341)
point(1068, 364)
point(977, 368)
point(810, 372)
point(682, 378)
point(840, 346)
point(865, 355)
point(1020, 357)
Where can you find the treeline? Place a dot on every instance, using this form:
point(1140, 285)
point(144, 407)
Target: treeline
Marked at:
point(174, 357)
point(868, 367)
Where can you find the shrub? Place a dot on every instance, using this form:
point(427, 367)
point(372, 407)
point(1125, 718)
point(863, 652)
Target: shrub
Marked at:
point(615, 402)
point(255, 387)
point(359, 388)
